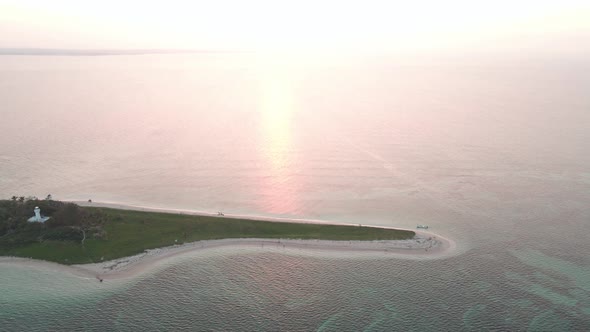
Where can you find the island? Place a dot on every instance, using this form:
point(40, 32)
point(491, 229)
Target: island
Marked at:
point(96, 234)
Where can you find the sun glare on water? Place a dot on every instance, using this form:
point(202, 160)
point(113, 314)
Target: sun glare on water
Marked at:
point(277, 106)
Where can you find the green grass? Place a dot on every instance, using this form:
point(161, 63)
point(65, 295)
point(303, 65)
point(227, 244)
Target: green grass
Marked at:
point(132, 232)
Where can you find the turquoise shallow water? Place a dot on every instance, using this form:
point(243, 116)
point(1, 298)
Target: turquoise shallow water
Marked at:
point(493, 156)
point(257, 290)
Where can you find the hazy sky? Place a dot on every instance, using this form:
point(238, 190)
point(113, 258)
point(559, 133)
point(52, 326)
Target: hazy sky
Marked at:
point(305, 25)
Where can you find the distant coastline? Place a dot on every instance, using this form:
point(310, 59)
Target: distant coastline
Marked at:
point(101, 52)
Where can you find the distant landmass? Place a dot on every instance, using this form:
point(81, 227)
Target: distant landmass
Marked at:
point(98, 52)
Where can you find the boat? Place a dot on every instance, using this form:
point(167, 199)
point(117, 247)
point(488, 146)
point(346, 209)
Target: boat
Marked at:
point(422, 226)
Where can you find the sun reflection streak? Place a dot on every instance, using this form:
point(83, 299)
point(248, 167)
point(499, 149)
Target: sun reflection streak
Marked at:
point(276, 108)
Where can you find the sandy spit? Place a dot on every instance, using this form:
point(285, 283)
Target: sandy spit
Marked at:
point(424, 245)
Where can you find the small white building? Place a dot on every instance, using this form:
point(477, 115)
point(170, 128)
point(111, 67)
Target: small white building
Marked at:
point(38, 217)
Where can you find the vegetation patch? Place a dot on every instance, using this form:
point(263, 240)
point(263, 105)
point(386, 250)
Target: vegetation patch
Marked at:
point(77, 234)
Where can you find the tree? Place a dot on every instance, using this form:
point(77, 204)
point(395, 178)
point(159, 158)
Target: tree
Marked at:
point(72, 216)
point(67, 215)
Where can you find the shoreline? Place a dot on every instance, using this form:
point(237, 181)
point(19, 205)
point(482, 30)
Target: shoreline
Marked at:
point(141, 208)
point(130, 207)
point(424, 245)
point(421, 247)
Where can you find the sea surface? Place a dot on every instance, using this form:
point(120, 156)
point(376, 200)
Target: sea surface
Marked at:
point(492, 154)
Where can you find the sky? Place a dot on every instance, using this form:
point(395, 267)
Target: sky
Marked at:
point(379, 26)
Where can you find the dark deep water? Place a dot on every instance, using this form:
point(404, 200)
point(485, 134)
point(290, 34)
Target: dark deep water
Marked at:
point(494, 157)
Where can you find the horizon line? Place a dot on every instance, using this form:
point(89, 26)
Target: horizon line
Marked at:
point(102, 51)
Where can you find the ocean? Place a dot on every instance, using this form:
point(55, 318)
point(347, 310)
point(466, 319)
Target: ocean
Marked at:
point(491, 154)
